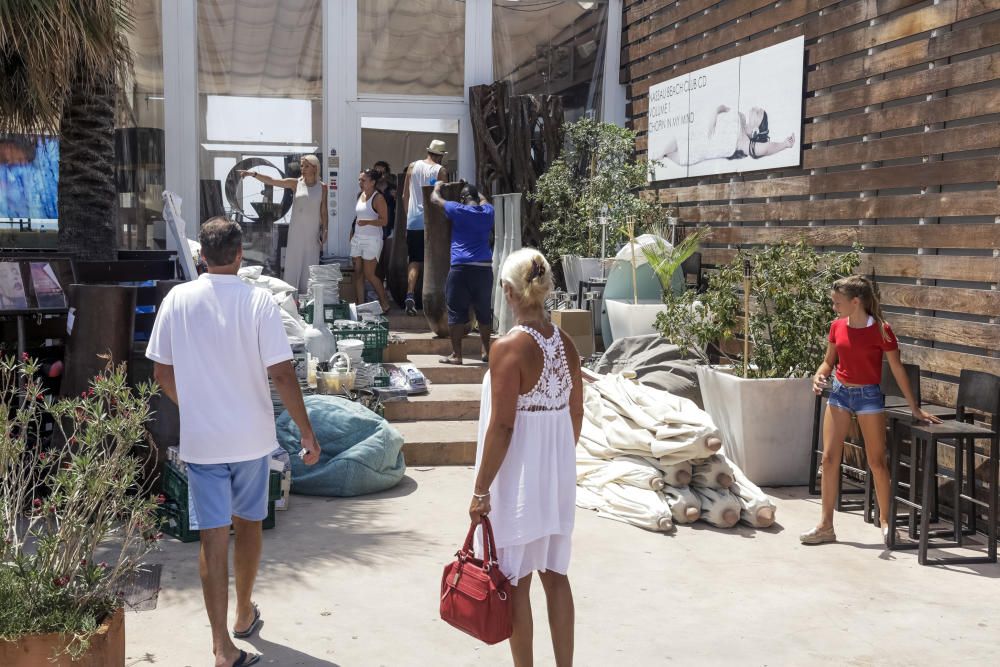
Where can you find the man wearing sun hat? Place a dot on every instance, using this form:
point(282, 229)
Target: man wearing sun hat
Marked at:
point(420, 173)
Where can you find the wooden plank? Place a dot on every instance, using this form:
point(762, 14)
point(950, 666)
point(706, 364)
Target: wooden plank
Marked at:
point(635, 32)
point(852, 208)
point(976, 236)
point(946, 362)
point(918, 144)
point(694, 26)
point(977, 170)
point(965, 73)
point(952, 299)
point(943, 45)
point(892, 29)
point(931, 267)
point(970, 105)
point(636, 11)
point(767, 20)
point(938, 391)
point(944, 330)
point(814, 27)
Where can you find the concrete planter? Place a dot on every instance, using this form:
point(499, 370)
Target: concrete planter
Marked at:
point(766, 424)
point(107, 648)
point(629, 319)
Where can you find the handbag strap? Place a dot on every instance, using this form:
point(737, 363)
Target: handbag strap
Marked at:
point(489, 542)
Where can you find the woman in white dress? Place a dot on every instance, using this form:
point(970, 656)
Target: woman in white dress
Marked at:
point(530, 419)
point(307, 231)
point(729, 136)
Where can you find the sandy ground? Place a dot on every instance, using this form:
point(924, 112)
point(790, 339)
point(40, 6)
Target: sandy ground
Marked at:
point(354, 582)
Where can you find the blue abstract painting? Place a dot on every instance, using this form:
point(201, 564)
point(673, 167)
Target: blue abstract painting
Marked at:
point(29, 177)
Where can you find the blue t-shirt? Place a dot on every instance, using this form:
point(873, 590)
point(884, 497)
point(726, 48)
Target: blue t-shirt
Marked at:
point(471, 227)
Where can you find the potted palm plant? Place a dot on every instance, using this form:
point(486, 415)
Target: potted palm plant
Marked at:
point(759, 393)
point(75, 518)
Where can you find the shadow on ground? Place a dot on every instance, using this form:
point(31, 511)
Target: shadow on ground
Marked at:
point(314, 533)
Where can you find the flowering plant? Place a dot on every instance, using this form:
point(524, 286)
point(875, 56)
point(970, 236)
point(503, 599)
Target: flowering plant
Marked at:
point(76, 519)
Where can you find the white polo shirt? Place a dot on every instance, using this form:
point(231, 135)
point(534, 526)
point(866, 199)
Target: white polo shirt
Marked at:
point(220, 335)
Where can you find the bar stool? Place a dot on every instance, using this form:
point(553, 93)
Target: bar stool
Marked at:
point(980, 392)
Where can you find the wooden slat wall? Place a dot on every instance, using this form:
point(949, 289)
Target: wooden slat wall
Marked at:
point(901, 153)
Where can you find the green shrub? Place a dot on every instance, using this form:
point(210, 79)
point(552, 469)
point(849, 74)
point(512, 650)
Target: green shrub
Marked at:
point(75, 519)
point(791, 309)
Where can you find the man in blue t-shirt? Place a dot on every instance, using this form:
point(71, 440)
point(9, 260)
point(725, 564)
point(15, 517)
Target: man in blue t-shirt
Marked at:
point(470, 280)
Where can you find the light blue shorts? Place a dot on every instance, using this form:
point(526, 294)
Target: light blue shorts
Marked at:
point(219, 491)
point(864, 400)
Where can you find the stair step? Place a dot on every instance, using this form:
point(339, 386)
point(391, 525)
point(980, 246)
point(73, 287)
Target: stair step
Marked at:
point(471, 372)
point(400, 321)
point(443, 402)
point(424, 342)
point(439, 443)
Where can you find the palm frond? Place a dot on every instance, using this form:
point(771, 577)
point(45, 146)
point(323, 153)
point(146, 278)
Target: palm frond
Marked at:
point(48, 47)
point(665, 260)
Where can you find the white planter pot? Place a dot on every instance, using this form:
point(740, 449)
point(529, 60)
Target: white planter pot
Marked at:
point(765, 425)
point(632, 319)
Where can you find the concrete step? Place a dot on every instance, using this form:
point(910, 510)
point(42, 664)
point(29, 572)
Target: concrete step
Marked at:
point(400, 321)
point(425, 343)
point(471, 372)
point(440, 443)
point(443, 402)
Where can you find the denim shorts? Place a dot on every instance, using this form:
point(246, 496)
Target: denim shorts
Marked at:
point(219, 491)
point(864, 400)
point(469, 287)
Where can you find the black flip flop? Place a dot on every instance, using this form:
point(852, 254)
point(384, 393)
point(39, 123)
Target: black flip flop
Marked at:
point(254, 627)
point(245, 659)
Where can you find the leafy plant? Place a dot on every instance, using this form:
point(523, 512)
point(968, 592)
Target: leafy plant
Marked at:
point(75, 518)
point(790, 309)
point(665, 259)
point(596, 173)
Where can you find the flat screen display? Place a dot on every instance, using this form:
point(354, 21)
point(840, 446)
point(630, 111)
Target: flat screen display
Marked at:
point(29, 177)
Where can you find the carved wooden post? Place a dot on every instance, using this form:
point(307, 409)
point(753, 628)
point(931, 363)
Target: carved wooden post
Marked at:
point(104, 323)
point(437, 258)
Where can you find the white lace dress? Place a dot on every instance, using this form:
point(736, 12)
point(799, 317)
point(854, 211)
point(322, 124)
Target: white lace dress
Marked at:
point(533, 497)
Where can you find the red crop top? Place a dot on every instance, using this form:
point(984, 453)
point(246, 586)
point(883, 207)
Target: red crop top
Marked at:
point(859, 351)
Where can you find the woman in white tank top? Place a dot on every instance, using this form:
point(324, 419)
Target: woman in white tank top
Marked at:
point(372, 214)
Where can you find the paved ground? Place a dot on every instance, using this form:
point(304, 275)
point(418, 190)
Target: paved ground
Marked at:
point(355, 583)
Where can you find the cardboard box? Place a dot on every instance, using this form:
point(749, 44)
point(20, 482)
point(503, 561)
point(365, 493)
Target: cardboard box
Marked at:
point(578, 325)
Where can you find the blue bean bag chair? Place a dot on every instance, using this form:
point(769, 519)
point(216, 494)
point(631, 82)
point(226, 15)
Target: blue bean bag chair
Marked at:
point(361, 452)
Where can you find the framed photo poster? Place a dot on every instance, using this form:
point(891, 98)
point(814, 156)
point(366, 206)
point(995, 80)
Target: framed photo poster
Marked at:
point(743, 114)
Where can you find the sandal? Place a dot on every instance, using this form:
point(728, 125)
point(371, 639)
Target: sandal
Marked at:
point(254, 627)
point(452, 361)
point(245, 659)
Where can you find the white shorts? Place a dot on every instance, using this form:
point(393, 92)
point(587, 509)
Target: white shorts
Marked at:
point(366, 247)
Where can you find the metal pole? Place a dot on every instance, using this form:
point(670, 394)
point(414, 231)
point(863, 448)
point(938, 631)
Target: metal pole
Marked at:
point(746, 318)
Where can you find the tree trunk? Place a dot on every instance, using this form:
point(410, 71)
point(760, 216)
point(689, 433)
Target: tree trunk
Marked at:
point(87, 193)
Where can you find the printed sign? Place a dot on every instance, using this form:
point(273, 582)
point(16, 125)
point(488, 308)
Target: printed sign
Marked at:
point(743, 114)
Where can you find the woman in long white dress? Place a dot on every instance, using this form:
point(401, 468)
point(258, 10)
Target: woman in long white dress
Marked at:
point(530, 419)
point(307, 231)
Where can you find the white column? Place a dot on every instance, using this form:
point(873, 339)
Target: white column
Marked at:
point(478, 71)
point(180, 107)
point(343, 129)
point(612, 92)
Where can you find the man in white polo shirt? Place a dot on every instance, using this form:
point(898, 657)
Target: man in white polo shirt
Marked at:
point(214, 343)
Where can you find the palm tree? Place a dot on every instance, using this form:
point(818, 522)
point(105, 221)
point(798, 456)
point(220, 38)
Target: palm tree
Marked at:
point(60, 65)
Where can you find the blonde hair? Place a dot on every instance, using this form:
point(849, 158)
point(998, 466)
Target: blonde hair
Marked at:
point(311, 159)
point(863, 289)
point(529, 276)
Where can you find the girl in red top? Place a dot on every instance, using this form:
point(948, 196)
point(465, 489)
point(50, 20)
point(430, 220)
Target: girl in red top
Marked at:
point(858, 341)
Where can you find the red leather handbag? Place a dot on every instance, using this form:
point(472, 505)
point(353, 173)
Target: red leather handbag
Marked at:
point(475, 595)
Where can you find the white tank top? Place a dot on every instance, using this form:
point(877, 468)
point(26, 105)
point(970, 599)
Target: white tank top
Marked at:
point(421, 174)
point(365, 210)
